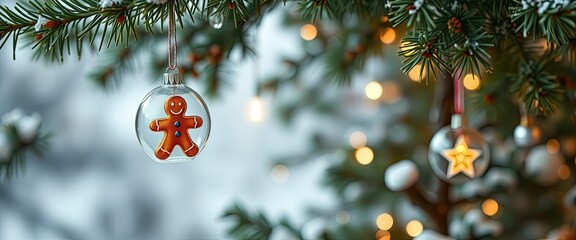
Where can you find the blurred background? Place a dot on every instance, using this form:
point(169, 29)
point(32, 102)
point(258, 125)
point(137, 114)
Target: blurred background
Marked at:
point(308, 120)
point(95, 182)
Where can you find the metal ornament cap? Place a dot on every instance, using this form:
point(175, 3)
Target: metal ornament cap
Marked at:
point(458, 121)
point(173, 79)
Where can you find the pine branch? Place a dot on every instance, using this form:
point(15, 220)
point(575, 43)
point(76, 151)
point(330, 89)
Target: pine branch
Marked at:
point(54, 27)
point(16, 164)
point(254, 225)
point(539, 90)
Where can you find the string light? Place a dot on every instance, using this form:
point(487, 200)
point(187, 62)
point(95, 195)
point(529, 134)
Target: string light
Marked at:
point(414, 74)
point(364, 155)
point(255, 109)
point(308, 32)
point(357, 139)
point(387, 35)
point(490, 207)
point(414, 228)
point(373, 90)
point(471, 82)
point(384, 221)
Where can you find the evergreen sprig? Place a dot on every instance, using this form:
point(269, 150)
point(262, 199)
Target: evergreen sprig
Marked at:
point(255, 226)
point(56, 28)
point(16, 164)
point(420, 49)
point(554, 20)
point(539, 90)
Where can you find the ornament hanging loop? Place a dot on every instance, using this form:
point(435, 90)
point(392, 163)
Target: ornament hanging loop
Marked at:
point(172, 45)
point(458, 93)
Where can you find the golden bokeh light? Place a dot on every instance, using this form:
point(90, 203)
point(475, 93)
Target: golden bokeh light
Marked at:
point(490, 207)
point(358, 139)
point(414, 74)
point(384, 221)
point(471, 82)
point(373, 90)
point(564, 172)
point(552, 146)
point(255, 109)
point(414, 228)
point(391, 92)
point(280, 174)
point(383, 235)
point(308, 32)
point(364, 155)
point(387, 35)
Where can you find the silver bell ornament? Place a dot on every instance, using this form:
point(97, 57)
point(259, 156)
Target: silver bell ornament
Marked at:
point(173, 122)
point(458, 153)
point(528, 133)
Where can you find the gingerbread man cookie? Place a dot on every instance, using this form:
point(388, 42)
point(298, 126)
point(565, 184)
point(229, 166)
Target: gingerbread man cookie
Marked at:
point(175, 127)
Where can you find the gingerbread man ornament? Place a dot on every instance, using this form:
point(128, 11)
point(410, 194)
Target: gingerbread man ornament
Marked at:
point(175, 127)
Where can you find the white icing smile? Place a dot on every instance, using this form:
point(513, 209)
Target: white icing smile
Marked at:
point(176, 113)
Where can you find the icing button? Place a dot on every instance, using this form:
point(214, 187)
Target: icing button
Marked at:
point(177, 134)
point(177, 124)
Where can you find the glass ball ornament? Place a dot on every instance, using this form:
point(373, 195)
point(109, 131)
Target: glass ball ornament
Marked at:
point(173, 122)
point(528, 133)
point(458, 153)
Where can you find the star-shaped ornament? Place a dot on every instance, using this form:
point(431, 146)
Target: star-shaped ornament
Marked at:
point(461, 158)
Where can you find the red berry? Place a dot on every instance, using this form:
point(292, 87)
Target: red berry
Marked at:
point(51, 24)
point(121, 19)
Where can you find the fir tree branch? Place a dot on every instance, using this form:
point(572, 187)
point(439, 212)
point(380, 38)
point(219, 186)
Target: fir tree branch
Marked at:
point(59, 25)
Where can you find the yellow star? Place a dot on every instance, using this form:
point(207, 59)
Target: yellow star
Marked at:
point(461, 158)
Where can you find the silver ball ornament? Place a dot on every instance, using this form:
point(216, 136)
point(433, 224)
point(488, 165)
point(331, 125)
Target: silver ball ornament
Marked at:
point(527, 134)
point(543, 166)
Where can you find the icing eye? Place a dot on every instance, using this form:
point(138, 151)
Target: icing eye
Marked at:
point(172, 104)
point(179, 104)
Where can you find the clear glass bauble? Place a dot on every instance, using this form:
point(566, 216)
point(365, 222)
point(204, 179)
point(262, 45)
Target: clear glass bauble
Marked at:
point(458, 154)
point(173, 123)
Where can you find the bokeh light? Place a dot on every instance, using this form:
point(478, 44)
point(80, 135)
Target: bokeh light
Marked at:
point(308, 32)
point(280, 174)
point(343, 217)
point(255, 109)
point(364, 155)
point(391, 92)
point(490, 207)
point(387, 35)
point(358, 139)
point(383, 235)
point(471, 82)
point(384, 221)
point(564, 172)
point(414, 74)
point(552, 146)
point(414, 228)
point(373, 90)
